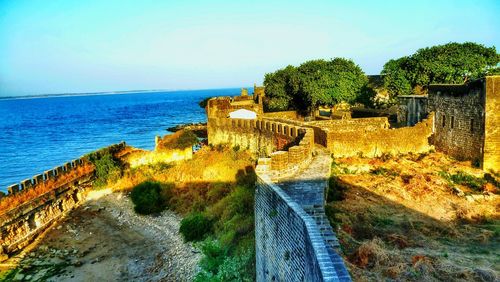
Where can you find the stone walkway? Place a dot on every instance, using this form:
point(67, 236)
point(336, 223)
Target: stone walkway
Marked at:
point(307, 188)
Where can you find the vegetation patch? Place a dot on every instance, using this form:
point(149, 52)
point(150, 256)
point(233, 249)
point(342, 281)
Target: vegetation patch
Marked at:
point(411, 228)
point(218, 265)
point(316, 83)
point(336, 190)
point(462, 178)
point(108, 169)
point(181, 139)
point(448, 63)
point(150, 197)
point(195, 226)
point(384, 172)
point(215, 193)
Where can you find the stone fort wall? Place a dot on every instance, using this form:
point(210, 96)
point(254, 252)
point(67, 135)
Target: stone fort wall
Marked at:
point(286, 144)
point(290, 246)
point(20, 225)
point(372, 137)
point(459, 123)
point(288, 241)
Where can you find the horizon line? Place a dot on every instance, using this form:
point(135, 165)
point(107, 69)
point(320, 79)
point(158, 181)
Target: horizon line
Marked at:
point(112, 92)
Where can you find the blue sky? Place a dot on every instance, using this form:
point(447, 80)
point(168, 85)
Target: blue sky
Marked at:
point(88, 46)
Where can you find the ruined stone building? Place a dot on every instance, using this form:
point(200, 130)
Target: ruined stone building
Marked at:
point(466, 123)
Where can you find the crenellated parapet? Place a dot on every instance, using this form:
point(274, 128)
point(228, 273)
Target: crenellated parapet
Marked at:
point(55, 173)
point(34, 204)
point(281, 145)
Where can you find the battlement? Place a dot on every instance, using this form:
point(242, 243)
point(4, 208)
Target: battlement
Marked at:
point(57, 172)
point(45, 198)
point(286, 145)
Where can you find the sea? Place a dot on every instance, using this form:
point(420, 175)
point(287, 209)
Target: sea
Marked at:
point(39, 133)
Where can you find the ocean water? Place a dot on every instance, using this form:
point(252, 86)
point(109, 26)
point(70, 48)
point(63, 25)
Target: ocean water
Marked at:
point(37, 134)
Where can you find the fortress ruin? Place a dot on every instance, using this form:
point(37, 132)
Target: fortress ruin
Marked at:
point(294, 240)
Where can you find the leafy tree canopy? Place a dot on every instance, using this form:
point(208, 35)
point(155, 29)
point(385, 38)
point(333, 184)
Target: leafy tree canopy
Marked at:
point(315, 83)
point(448, 63)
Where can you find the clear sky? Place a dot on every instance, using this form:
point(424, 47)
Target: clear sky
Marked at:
point(104, 45)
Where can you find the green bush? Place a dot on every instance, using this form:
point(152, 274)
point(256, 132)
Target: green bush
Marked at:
point(195, 226)
point(106, 167)
point(218, 265)
point(187, 139)
point(149, 197)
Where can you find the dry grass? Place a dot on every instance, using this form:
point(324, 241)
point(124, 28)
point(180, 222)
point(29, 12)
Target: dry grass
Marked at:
point(204, 177)
point(400, 219)
point(13, 201)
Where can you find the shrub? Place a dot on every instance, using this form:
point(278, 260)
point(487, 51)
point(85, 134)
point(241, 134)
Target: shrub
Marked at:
point(195, 226)
point(148, 197)
point(336, 191)
point(187, 139)
point(218, 265)
point(180, 140)
point(107, 169)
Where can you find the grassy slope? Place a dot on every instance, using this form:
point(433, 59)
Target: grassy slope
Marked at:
point(218, 182)
point(401, 218)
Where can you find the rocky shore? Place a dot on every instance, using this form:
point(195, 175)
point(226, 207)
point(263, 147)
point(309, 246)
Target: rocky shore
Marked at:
point(105, 240)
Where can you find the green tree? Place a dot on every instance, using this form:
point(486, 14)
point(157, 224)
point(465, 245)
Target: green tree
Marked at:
point(396, 77)
point(329, 82)
point(315, 83)
point(448, 63)
point(279, 87)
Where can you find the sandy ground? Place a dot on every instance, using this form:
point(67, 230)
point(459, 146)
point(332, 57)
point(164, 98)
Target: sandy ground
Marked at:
point(104, 240)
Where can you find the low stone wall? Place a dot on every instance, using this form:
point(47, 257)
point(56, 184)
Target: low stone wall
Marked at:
point(289, 245)
point(373, 138)
point(164, 156)
point(23, 223)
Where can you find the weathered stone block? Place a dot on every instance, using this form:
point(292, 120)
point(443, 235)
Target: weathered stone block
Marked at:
point(38, 179)
point(13, 189)
point(26, 184)
point(279, 160)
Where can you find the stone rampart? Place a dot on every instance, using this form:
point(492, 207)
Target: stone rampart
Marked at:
point(21, 224)
point(163, 156)
point(459, 119)
point(260, 136)
point(289, 245)
point(372, 137)
point(55, 173)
